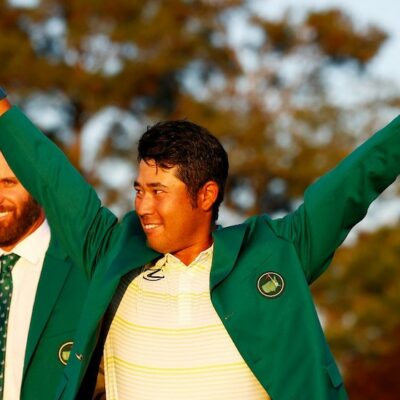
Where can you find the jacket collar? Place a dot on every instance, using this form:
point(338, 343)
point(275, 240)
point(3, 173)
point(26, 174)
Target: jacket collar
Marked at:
point(54, 273)
point(227, 244)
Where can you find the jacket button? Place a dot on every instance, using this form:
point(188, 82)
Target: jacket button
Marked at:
point(79, 356)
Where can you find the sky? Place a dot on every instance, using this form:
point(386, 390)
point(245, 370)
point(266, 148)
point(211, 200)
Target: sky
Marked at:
point(384, 13)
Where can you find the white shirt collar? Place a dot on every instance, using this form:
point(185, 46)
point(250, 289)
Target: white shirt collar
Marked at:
point(33, 246)
point(201, 257)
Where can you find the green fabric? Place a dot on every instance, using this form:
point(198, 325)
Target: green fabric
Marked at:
point(280, 338)
point(7, 262)
point(60, 295)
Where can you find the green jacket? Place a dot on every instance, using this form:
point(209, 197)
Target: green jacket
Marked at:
point(58, 303)
point(277, 332)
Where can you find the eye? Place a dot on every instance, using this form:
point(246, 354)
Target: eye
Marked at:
point(138, 191)
point(9, 182)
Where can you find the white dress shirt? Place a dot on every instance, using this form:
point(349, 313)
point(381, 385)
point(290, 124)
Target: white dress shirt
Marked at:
point(25, 275)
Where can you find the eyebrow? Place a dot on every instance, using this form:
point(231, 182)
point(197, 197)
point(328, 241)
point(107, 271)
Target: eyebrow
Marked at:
point(152, 185)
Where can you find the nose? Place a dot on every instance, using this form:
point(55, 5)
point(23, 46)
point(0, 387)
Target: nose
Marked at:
point(144, 204)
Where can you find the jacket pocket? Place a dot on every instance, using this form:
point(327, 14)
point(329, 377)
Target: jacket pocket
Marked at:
point(334, 374)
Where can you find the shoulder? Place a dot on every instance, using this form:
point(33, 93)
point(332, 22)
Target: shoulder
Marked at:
point(256, 228)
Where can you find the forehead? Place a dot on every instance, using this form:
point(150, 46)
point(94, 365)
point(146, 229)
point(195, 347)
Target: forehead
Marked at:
point(5, 169)
point(149, 172)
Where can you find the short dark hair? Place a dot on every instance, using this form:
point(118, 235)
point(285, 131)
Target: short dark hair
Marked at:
point(197, 154)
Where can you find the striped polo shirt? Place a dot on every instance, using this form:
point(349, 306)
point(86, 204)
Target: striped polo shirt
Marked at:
point(166, 341)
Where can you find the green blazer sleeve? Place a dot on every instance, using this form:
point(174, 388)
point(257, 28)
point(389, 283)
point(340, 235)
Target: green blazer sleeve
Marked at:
point(72, 207)
point(340, 199)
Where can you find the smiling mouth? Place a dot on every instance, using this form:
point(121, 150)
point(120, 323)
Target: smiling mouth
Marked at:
point(4, 214)
point(150, 227)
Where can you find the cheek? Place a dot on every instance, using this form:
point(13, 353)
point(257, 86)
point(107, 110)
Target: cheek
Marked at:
point(185, 218)
point(13, 201)
point(20, 198)
point(137, 202)
point(18, 194)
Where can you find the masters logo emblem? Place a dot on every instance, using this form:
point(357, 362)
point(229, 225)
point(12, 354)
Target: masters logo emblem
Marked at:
point(64, 352)
point(270, 284)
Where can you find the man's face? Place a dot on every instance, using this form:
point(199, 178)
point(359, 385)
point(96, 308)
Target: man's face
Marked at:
point(18, 210)
point(169, 220)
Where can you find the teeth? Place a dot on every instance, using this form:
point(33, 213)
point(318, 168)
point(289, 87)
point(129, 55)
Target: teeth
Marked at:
point(3, 214)
point(150, 226)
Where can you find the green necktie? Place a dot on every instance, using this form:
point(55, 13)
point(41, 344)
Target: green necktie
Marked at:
point(7, 261)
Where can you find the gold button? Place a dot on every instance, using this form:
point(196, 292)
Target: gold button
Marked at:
point(79, 356)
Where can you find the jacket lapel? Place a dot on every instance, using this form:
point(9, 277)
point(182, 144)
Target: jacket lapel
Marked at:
point(227, 244)
point(128, 253)
point(54, 272)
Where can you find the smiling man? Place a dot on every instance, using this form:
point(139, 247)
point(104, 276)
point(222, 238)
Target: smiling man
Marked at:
point(38, 321)
point(164, 328)
point(173, 187)
point(20, 214)
point(158, 192)
point(185, 309)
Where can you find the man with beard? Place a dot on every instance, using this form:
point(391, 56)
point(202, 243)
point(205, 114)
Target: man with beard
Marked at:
point(47, 293)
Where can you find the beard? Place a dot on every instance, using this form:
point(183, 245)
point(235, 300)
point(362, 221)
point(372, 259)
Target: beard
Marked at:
point(20, 222)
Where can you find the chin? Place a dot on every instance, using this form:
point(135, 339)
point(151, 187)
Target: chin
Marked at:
point(159, 247)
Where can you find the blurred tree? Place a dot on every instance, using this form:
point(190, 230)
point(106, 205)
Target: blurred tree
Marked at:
point(163, 60)
point(138, 56)
point(288, 97)
point(359, 298)
point(375, 377)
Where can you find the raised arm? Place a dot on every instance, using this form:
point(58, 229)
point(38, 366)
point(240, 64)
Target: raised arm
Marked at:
point(70, 203)
point(340, 199)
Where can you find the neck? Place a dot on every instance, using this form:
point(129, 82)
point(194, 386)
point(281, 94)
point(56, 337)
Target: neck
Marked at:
point(189, 254)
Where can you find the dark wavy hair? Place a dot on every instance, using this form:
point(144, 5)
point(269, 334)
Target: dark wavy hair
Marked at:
point(197, 154)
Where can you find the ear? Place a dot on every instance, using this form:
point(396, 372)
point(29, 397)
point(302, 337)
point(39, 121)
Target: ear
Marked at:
point(207, 195)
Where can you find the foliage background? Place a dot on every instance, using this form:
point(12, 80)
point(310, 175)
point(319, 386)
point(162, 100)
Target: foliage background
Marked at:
point(94, 74)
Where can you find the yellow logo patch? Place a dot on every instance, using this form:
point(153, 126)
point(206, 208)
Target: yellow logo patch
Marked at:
point(64, 352)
